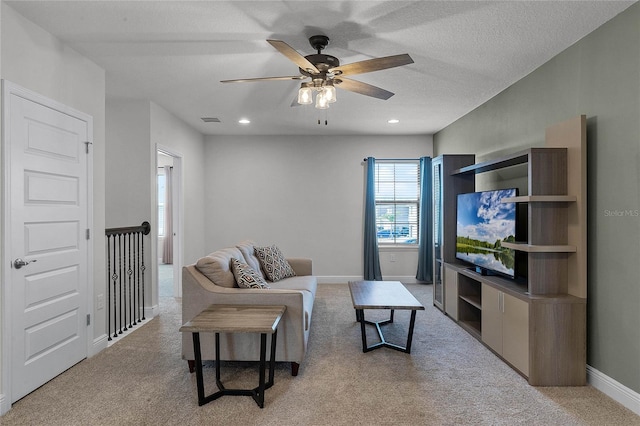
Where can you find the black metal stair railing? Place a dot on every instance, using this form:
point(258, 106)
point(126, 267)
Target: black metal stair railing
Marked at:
point(125, 277)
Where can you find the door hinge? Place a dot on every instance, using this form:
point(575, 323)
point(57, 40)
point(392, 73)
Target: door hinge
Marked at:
point(88, 233)
point(87, 143)
point(88, 319)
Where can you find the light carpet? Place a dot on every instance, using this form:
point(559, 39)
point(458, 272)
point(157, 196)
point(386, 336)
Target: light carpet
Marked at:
point(449, 379)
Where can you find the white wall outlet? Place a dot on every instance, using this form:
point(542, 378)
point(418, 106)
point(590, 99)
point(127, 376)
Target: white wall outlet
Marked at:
point(100, 301)
point(392, 258)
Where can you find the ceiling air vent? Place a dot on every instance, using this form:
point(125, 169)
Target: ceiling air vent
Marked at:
point(210, 119)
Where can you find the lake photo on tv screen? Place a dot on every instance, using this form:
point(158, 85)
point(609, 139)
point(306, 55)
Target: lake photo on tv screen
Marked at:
point(483, 223)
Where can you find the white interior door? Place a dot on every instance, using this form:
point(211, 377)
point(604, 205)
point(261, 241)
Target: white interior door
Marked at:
point(47, 240)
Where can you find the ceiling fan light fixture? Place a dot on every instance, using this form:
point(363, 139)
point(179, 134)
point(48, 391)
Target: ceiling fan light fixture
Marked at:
point(305, 95)
point(330, 93)
point(322, 102)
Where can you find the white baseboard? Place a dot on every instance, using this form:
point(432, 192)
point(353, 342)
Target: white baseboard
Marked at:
point(337, 279)
point(343, 279)
point(613, 389)
point(99, 343)
point(151, 311)
point(4, 404)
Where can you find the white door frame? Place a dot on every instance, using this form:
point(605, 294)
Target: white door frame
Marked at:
point(178, 214)
point(9, 89)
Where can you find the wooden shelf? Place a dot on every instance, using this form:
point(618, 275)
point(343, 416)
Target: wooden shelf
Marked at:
point(533, 248)
point(521, 157)
point(541, 199)
point(472, 327)
point(474, 301)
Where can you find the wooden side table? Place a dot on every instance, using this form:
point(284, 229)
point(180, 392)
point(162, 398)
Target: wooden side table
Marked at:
point(236, 319)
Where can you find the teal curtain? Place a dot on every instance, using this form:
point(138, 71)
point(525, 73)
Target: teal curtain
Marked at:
point(425, 248)
point(371, 255)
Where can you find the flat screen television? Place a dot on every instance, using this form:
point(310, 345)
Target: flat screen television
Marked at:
point(483, 223)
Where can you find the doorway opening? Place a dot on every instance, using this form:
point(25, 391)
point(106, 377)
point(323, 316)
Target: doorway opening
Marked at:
point(168, 208)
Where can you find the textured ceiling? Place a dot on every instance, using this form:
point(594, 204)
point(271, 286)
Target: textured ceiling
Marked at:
point(176, 53)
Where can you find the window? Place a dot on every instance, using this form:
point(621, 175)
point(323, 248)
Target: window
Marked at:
point(397, 201)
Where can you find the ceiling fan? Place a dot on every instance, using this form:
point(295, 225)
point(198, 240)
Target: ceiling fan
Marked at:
point(326, 73)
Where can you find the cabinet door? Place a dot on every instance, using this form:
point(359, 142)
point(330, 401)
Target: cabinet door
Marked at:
point(492, 318)
point(451, 292)
point(515, 332)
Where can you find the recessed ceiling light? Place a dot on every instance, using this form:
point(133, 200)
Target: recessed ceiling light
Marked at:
point(244, 121)
point(393, 121)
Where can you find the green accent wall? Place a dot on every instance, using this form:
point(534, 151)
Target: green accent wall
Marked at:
point(598, 76)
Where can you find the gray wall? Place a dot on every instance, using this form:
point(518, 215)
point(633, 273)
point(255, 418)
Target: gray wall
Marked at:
point(71, 79)
point(304, 194)
point(134, 129)
point(599, 76)
point(174, 134)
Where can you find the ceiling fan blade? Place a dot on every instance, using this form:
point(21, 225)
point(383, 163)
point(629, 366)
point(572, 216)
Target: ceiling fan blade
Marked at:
point(294, 56)
point(362, 88)
point(245, 80)
point(373, 65)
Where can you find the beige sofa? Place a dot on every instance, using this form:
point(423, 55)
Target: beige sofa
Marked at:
point(211, 281)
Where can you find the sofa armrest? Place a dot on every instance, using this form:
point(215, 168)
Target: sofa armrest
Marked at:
point(301, 265)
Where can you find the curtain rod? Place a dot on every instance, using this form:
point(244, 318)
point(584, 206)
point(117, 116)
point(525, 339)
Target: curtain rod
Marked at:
point(394, 159)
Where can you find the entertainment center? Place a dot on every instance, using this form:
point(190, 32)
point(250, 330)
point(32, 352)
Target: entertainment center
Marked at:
point(536, 322)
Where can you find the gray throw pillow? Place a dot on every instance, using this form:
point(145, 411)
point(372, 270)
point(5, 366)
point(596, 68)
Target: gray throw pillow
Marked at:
point(246, 276)
point(273, 263)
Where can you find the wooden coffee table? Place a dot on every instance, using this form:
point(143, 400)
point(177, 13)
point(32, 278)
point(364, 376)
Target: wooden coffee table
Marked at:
point(236, 319)
point(390, 295)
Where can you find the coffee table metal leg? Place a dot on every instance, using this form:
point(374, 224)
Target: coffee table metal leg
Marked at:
point(410, 337)
point(383, 342)
point(363, 331)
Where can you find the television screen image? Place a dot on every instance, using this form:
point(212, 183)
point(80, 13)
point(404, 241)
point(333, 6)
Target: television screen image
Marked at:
point(483, 224)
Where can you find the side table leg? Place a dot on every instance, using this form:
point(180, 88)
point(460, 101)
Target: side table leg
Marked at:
point(263, 356)
point(217, 361)
point(272, 361)
point(199, 379)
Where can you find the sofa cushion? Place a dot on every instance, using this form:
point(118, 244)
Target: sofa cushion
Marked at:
point(246, 247)
point(246, 276)
point(217, 266)
point(303, 282)
point(273, 263)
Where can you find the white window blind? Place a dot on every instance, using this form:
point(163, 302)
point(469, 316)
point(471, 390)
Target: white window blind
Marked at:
point(397, 201)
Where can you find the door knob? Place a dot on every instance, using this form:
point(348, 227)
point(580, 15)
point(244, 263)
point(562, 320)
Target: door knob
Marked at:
point(19, 263)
